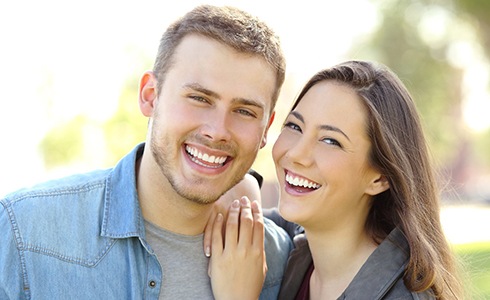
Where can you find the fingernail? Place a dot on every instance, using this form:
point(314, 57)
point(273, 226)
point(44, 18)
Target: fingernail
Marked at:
point(219, 217)
point(244, 200)
point(207, 252)
point(235, 204)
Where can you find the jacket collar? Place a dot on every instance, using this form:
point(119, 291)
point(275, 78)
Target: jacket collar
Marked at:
point(375, 278)
point(381, 270)
point(298, 263)
point(122, 217)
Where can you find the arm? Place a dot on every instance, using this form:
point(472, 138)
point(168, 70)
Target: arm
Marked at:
point(11, 280)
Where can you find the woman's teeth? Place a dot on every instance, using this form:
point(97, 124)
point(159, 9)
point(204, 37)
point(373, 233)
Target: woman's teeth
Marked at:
point(302, 182)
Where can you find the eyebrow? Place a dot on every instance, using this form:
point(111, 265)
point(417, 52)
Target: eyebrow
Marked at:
point(322, 127)
point(199, 88)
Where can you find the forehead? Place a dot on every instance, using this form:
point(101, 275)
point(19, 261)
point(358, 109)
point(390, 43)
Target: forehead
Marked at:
point(333, 103)
point(222, 69)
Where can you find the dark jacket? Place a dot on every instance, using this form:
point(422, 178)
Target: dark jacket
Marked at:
point(381, 276)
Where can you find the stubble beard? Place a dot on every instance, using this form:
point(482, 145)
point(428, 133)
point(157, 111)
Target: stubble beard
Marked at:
point(188, 191)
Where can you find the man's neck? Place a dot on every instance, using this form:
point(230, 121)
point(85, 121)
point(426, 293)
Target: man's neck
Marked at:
point(162, 206)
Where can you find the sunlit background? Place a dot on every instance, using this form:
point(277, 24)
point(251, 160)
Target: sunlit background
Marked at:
point(69, 72)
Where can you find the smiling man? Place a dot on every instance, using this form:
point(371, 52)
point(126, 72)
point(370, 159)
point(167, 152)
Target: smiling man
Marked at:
point(207, 121)
point(135, 231)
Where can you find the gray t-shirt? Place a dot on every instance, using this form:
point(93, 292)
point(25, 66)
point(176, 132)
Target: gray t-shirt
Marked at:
point(184, 266)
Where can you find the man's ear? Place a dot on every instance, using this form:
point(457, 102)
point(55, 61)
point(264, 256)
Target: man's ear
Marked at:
point(264, 138)
point(147, 93)
point(378, 185)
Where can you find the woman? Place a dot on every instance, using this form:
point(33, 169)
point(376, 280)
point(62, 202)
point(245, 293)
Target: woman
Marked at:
point(355, 173)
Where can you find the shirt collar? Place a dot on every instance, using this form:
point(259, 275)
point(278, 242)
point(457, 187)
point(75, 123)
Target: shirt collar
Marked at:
point(122, 217)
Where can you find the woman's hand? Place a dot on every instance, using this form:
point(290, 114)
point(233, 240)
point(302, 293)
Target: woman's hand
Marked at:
point(238, 267)
point(248, 187)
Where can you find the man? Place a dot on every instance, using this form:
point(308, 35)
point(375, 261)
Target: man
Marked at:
point(135, 231)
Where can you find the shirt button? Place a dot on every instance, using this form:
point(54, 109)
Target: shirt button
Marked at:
point(152, 283)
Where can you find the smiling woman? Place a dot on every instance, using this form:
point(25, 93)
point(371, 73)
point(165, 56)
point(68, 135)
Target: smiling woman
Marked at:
point(363, 190)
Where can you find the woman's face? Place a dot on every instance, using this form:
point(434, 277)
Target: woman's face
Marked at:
point(321, 159)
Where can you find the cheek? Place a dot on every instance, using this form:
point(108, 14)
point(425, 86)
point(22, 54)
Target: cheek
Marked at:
point(278, 149)
point(332, 162)
point(285, 142)
point(245, 130)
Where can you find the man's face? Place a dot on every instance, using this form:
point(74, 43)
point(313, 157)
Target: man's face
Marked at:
point(210, 118)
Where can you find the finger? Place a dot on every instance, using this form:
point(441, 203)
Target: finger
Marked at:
point(232, 225)
point(217, 239)
point(258, 228)
point(208, 235)
point(246, 223)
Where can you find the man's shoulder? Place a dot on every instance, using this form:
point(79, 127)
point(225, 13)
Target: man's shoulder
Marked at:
point(276, 235)
point(277, 240)
point(60, 188)
point(277, 245)
point(55, 204)
point(58, 217)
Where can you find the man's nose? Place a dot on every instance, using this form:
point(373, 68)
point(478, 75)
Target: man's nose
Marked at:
point(217, 127)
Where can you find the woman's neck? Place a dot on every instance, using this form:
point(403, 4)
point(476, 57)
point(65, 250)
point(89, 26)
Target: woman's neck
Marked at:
point(337, 256)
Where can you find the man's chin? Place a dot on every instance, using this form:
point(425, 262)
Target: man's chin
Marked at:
point(201, 201)
point(201, 198)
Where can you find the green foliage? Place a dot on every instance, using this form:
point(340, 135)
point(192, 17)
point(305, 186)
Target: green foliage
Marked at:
point(63, 144)
point(479, 10)
point(431, 80)
point(482, 147)
point(475, 258)
point(127, 126)
point(73, 141)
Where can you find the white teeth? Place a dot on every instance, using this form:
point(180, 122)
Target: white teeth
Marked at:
point(297, 181)
point(205, 157)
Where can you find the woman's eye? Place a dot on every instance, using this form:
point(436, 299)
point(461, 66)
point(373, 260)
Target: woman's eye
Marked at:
point(292, 125)
point(332, 142)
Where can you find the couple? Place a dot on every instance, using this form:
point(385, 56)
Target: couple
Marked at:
point(351, 161)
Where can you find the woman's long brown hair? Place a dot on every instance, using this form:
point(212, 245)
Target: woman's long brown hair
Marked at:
point(399, 151)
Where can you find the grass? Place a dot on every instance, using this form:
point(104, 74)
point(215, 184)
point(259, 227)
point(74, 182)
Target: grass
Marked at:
point(475, 258)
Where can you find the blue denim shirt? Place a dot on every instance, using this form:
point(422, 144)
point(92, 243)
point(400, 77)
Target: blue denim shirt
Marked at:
point(83, 237)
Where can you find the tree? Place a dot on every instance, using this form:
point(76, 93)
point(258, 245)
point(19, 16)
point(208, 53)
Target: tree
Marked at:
point(415, 39)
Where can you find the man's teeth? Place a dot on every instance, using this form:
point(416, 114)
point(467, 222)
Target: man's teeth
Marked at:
point(296, 181)
point(205, 157)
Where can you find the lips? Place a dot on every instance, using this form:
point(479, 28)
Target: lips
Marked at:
point(300, 184)
point(205, 159)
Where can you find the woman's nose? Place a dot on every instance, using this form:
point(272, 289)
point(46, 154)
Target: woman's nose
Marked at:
point(301, 152)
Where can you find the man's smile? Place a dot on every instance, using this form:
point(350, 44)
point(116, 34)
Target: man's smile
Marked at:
point(205, 159)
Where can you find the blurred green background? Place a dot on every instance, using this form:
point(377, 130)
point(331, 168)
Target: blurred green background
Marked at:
point(475, 260)
point(69, 78)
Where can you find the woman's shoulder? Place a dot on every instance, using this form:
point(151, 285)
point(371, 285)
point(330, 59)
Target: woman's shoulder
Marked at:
point(400, 291)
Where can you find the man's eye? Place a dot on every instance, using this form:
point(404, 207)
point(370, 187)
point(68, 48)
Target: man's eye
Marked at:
point(246, 112)
point(293, 126)
point(199, 99)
